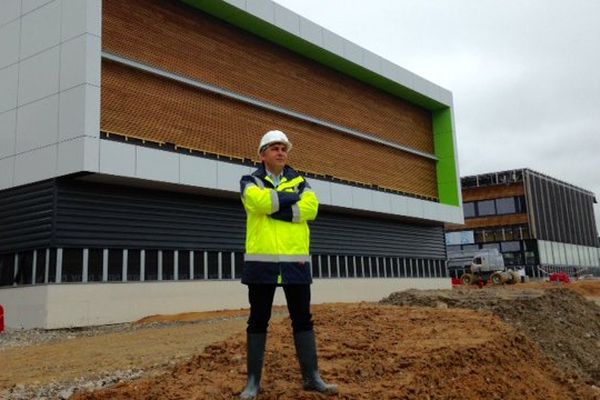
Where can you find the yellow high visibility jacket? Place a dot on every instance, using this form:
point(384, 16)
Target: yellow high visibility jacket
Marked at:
point(277, 232)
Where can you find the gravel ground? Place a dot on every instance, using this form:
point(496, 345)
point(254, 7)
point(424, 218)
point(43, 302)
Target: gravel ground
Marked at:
point(12, 338)
point(15, 338)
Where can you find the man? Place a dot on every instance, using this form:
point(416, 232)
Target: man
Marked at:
point(278, 203)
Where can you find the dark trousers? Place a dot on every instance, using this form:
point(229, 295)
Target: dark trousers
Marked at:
point(261, 301)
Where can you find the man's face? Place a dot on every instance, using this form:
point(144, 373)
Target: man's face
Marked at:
point(275, 157)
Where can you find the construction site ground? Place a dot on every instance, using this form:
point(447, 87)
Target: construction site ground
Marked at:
point(525, 341)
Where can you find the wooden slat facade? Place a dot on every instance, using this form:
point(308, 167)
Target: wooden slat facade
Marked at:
point(183, 40)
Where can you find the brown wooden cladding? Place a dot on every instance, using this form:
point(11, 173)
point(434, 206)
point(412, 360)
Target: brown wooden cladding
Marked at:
point(142, 105)
point(493, 192)
point(172, 36)
point(486, 222)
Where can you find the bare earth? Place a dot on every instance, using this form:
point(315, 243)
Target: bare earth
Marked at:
point(515, 342)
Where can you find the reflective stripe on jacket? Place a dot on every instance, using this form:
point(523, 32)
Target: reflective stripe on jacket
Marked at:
point(277, 233)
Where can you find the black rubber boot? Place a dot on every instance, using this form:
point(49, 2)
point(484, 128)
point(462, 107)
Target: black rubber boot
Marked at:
point(255, 355)
point(306, 349)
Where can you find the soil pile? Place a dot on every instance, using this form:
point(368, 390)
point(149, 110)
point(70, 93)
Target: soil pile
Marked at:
point(377, 352)
point(561, 321)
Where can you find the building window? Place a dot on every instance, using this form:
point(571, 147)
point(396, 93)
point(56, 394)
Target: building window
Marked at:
point(198, 265)
point(72, 265)
point(520, 204)
point(470, 247)
point(226, 265)
point(25, 268)
point(469, 209)
point(40, 269)
point(506, 205)
point(213, 265)
point(511, 246)
point(168, 265)
point(133, 265)
point(151, 265)
point(115, 264)
point(94, 265)
point(486, 207)
point(7, 269)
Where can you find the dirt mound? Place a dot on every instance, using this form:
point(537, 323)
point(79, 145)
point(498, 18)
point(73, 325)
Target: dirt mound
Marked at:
point(561, 321)
point(378, 352)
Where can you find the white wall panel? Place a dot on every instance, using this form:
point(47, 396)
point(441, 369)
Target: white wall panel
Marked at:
point(341, 195)
point(381, 201)
point(37, 124)
point(9, 87)
point(7, 169)
point(40, 29)
point(311, 32)
point(80, 61)
point(35, 165)
point(414, 207)
point(157, 165)
point(372, 61)
point(263, 9)
point(11, 10)
point(81, 16)
point(9, 43)
point(241, 4)
point(30, 5)
point(79, 112)
point(322, 189)
point(229, 175)
point(117, 158)
point(38, 76)
point(287, 20)
point(8, 124)
point(198, 171)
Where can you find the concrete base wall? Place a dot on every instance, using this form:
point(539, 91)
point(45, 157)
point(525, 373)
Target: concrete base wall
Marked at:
point(72, 305)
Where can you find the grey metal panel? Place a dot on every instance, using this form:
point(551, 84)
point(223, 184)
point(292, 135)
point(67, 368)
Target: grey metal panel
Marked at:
point(353, 235)
point(103, 215)
point(26, 216)
point(99, 215)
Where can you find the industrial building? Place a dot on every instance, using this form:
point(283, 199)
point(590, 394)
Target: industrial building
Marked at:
point(535, 221)
point(125, 127)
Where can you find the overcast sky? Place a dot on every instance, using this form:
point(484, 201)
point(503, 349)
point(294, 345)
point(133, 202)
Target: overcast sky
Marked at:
point(525, 74)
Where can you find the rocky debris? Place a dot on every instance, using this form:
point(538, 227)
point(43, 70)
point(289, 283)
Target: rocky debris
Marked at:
point(65, 390)
point(12, 338)
point(561, 321)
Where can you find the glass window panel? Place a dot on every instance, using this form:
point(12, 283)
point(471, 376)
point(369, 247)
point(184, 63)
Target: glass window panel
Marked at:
point(239, 265)
point(506, 205)
point(25, 268)
point(151, 267)
point(72, 267)
point(95, 265)
point(315, 266)
point(213, 265)
point(469, 209)
point(115, 264)
point(198, 265)
point(486, 207)
point(133, 264)
point(168, 265)
point(511, 246)
point(40, 269)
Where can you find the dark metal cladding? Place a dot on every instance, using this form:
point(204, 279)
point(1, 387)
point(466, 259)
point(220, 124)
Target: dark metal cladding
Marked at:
point(70, 213)
point(26, 216)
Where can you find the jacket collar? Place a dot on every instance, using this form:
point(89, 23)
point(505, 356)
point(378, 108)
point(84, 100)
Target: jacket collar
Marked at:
point(288, 172)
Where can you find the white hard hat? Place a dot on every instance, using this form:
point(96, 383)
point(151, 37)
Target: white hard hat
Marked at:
point(274, 137)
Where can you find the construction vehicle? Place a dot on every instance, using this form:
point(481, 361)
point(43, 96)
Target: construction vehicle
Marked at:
point(482, 265)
